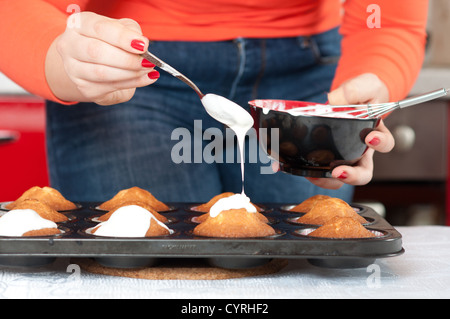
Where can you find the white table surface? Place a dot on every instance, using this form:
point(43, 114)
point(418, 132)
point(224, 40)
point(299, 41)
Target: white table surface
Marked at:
point(422, 272)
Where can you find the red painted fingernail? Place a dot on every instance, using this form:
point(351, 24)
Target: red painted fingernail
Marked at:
point(375, 141)
point(343, 175)
point(147, 64)
point(153, 75)
point(138, 45)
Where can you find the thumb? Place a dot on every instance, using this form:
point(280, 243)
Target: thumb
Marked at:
point(337, 97)
point(365, 88)
point(349, 92)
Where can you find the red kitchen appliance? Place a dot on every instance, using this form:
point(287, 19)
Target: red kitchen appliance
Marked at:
point(23, 161)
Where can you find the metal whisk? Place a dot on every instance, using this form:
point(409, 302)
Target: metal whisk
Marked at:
point(374, 110)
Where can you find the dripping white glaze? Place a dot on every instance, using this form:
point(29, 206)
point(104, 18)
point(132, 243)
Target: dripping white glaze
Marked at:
point(240, 121)
point(232, 115)
point(236, 201)
point(128, 221)
point(17, 222)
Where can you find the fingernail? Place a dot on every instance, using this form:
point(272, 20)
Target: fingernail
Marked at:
point(147, 64)
point(153, 75)
point(375, 141)
point(138, 45)
point(275, 166)
point(343, 175)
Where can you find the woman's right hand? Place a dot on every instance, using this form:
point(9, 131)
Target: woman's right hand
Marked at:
point(97, 59)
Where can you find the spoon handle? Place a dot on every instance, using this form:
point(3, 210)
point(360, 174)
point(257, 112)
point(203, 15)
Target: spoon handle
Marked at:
point(169, 69)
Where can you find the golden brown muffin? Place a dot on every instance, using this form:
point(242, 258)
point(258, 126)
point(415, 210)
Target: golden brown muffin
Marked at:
point(326, 210)
point(342, 227)
point(42, 232)
point(148, 207)
point(234, 223)
point(136, 194)
point(156, 230)
point(42, 209)
point(202, 218)
point(204, 208)
point(47, 195)
point(307, 204)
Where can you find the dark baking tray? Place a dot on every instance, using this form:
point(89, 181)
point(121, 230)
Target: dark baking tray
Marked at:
point(223, 252)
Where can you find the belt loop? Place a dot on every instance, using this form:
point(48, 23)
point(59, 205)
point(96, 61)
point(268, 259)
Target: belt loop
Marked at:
point(308, 42)
point(240, 43)
point(263, 47)
point(315, 49)
point(305, 42)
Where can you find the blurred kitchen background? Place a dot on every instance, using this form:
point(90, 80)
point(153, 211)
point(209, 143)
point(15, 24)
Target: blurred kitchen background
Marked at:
point(411, 184)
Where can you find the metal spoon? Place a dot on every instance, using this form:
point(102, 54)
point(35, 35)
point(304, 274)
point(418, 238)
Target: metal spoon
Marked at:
point(169, 69)
point(218, 107)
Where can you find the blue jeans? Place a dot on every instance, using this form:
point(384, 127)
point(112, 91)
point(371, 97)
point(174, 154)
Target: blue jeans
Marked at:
point(95, 151)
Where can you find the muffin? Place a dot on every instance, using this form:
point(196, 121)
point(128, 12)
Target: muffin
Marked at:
point(326, 210)
point(233, 201)
point(202, 218)
point(136, 194)
point(234, 223)
point(204, 208)
point(26, 222)
point(131, 221)
point(42, 209)
point(307, 204)
point(148, 207)
point(47, 195)
point(342, 227)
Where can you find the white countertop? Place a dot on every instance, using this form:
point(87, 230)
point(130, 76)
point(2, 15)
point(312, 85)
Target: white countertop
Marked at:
point(422, 272)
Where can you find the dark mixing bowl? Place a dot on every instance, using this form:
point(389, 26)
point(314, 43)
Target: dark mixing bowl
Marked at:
point(309, 145)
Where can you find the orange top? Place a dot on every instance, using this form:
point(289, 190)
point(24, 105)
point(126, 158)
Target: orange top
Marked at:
point(394, 51)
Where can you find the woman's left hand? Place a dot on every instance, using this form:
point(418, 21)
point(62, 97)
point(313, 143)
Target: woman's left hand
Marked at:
point(366, 88)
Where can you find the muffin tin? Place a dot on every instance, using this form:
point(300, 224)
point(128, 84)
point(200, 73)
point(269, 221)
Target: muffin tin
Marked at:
point(291, 241)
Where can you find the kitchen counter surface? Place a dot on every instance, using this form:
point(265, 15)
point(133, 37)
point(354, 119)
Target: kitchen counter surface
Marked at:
point(422, 272)
point(430, 78)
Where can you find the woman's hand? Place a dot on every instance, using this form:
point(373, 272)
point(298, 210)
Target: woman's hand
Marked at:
point(97, 59)
point(366, 88)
